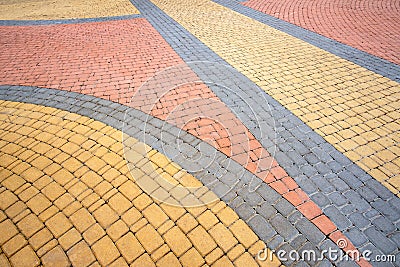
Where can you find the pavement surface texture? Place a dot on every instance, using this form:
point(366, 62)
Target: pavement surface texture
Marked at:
point(199, 133)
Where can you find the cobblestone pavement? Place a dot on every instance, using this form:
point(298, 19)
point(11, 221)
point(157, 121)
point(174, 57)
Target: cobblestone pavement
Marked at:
point(192, 133)
point(349, 22)
point(69, 9)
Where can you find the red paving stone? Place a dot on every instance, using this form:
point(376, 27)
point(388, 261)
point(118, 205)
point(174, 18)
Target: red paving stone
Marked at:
point(102, 59)
point(372, 26)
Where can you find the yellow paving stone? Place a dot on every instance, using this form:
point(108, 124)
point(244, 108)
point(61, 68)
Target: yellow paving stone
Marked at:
point(119, 203)
point(169, 260)
point(30, 225)
point(131, 216)
point(55, 257)
point(155, 215)
point(40, 238)
point(227, 216)
point(243, 233)
point(191, 258)
point(143, 261)
point(81, 254)
point(222, 262)
point(82, 220)
point(14, 244)
point(142, 201)
point(7, 199)
point(235, 252)
point(4, 261)
point(58, 224)
point(129, 247)
point(105, 216)
point(187, 222)
point(94, 233)
point(213, 256)
point(53, 190)
point(160, 252)
point(116, 230)
point(105, 251)
point(25, 257)
point(149, 238)
point(120, 262)
point(223, 237)
point(165, 227)
point(202, 241)
point(69, 239)
point(177, 241)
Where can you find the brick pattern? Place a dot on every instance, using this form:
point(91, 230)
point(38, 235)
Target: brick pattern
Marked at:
point(349, 22)
point(109, 220)
point(179, 106)
point(70, 9)
point(350, 106)
point(132, 52)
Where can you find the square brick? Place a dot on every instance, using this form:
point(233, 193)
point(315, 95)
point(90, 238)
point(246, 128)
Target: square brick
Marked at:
point(223, 237)
point(14, 244)
point(53, 191)
point(202, 241)
point(25, 257)
point(227, 216)
point(119, 203)
point(105, 251)
point(116, 230)
point(177, 241)
point(69, 239)
point(58, 224)
point(30, 225)
point(243, 233)
point(38, 203)
point(81, 255)
point(105, 216)
point(131, 216)
point(82, 219)
point(187, 222)
point(55, 257)
point(155, 215)
point(40, 238)
point(149, 238)
point(94, 233)
point(169, 260)
point(192, 258)
point(130, 247)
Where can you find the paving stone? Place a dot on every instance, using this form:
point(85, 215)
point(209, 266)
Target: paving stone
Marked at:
point(380, 241)
point(336, 216)
point(310, 231)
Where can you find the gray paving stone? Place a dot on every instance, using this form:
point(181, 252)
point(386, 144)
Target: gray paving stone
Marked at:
point(310, 231)
point(261, 227)
point(380, 241)
point(386, 209)
point(245, 211)
point(359, 220)
point(266, 210)
point(356, 237)
point(384, 225)
point(321, 200)
point(284, 207)
point(267, 193)
point(337, 217)
point(283, 227)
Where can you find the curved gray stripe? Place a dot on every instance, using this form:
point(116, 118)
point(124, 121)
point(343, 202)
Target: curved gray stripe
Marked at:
point(361, 207)
point(270, 216)
point(65, 21)
point(364, 59)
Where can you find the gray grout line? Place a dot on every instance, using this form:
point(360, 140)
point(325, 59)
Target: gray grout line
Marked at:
point(65, 21)
point(264, 210)
point(361, 58)
point(334, 182)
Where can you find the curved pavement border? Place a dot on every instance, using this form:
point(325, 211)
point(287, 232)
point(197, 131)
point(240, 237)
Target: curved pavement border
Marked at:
point(268, 214)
